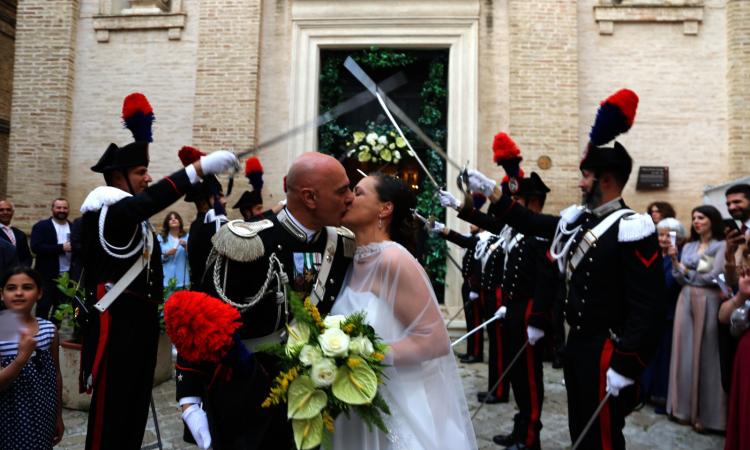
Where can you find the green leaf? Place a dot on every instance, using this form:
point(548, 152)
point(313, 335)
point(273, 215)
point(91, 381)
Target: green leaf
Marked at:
point(305, 401)
point(308, 432)
point(355, 386)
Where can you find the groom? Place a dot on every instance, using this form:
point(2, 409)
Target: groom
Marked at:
point(304, 242)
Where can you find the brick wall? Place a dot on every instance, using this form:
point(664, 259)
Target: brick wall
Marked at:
point(543, 91)
point(738, 87)
point(144, 61)
point(7, 48)
point(42, 105)
point(681, 119)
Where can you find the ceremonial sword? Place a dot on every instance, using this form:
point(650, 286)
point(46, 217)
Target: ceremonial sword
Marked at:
point(424, 220)
point(388, 105)
point(500, 380)
point(342, 108)
point(499, 314)
point(591, 421)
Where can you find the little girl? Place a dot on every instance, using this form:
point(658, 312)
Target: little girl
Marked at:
point(30, 380)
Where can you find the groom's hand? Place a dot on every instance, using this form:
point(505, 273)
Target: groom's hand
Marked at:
point(196, 420)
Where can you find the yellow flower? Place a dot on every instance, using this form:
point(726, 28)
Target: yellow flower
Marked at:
point(314, 313)
point(281, 384)
point(348, 328)
point(327, 421)
point(353, 362)
point(377, 356)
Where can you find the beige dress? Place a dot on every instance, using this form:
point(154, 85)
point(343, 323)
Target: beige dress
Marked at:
point(695, 391)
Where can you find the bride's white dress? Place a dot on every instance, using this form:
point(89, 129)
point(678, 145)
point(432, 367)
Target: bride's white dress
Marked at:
point(422, 389)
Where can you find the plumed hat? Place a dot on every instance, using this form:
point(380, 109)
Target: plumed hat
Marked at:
point(254, 174)
point(533, 186)
point(210, 184)
point(615, 116)
point(505, 153)
point(138, 116)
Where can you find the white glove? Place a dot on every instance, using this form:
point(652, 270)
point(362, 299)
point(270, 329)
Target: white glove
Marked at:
point(196, 420)
point(219, 162)
point(500, 313)
point(473, 295)
point(436, 227)
point(615, 382)
point(534, 334)
point(478, 182)
point(448, 200)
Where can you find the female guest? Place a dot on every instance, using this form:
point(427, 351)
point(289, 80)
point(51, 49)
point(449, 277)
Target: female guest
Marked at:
point(173, 241)
point(695, 392)
point(655, 378)
point(660, 211)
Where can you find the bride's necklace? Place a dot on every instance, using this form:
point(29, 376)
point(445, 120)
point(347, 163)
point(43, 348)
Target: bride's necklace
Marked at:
point(366, 251)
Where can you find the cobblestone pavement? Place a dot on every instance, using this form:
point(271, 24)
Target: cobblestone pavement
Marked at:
point(644, 430)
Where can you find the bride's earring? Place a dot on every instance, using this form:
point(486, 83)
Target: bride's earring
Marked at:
point(380, 223)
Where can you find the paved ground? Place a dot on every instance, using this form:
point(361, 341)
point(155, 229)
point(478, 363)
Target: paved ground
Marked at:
point(644, 430)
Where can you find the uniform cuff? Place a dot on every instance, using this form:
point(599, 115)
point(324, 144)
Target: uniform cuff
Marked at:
point(188, 400)
point(192, 174)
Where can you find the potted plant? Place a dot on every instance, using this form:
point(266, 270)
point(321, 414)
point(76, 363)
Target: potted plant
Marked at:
point(70, 342)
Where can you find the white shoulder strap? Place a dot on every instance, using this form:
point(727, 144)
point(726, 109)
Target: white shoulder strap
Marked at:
point(122, 284)
point(591, 236)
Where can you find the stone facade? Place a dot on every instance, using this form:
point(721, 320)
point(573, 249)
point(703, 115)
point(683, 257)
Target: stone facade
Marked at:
point(7, 48)
point(222, 78)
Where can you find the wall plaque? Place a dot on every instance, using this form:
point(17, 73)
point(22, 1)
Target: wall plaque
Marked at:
point(652, 177)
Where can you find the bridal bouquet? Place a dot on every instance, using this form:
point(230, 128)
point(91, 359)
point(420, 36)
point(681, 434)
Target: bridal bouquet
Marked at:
point(376, 147)
point(329, 365)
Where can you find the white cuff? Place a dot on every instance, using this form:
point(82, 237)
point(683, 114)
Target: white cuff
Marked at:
point(192, 174)
point(190, 400)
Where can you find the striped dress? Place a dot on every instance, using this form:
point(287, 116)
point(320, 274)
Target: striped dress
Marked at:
point(28, 408)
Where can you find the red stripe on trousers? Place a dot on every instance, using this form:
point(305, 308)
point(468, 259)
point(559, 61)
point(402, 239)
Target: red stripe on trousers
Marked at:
point(531, 374)
point(101, 391)
point(475, 307)
point(499, 342)
point(605, 422)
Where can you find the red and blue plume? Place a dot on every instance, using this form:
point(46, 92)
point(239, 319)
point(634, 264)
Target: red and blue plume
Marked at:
point(200, 326)
point(505, 153)
point(254, 172)
point(138, 117)
point(615, 116)
point(189, 155)
point(478, 199)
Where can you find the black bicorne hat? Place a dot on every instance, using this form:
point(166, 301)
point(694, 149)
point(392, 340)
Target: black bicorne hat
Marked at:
point(532, 186)
point(248, 200)
point(615, 160)
point(120, 158)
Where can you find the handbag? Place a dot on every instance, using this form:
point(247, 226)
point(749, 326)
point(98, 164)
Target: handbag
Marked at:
point(706, 264)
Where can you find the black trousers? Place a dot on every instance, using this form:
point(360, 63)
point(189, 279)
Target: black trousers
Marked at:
point(235, 416)
point(586, 362)
point(526, 376)
point(492, 301)
point(473, 310)
point(122, 388)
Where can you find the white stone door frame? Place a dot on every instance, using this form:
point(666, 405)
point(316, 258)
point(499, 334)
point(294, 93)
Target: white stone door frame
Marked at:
point(422, 24)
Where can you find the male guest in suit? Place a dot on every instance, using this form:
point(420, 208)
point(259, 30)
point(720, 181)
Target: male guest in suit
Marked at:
point(50, 241)
point(12, 234)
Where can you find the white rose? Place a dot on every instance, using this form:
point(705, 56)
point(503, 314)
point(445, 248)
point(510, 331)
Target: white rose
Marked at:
point(360, 345)
point(333, 320)
point(334, 342)
point(383, 140)
point(372, 138)
point(323, 372)
point(299, 335)
point(310, 354)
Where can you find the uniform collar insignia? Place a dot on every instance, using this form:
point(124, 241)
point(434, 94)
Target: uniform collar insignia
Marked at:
point(296, 229)
point(609, 207)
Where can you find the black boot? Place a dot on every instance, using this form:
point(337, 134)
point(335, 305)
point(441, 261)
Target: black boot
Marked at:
point(506, 440)
point(471, 359)
point(522, 446)
point(484, 397)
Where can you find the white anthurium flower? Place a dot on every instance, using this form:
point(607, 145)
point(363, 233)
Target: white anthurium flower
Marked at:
point(333, 320)
point(383, 140)
point(334, 342)
point(372, 138)
point(310, 354)
point(299, 335)
point(361, 345)
point(377, 148)
point(323, 372)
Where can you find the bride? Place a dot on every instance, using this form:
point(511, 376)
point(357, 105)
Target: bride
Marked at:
point(422, 388)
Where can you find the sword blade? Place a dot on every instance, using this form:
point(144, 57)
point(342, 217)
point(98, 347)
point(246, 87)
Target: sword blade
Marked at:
point(363, 78)
point(342, 108)
point(500, 380)
point(482, 325)
point(591, 421)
